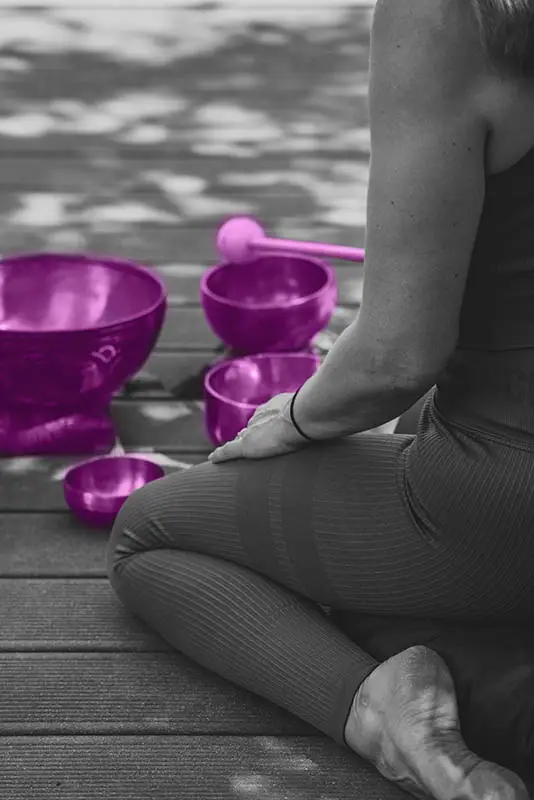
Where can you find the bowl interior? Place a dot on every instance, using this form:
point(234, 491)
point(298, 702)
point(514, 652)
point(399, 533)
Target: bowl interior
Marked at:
point(255, 379)
point(114, 476)
point(269, 281)
point(51, 292)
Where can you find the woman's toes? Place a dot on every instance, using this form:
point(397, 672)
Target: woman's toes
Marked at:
point(492, 782)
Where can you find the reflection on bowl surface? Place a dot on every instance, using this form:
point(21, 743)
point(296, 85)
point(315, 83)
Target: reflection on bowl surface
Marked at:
point(269, 281)
point(255, 379)
point(54, 292)
point(276, 303)
point(114, 476)
point(96, 490)
point(234, 389)
point(74, 329)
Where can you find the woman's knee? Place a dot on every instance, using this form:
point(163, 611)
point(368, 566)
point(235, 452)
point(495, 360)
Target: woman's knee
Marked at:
point(135, 527)
point(200, 510)
point(168, 513)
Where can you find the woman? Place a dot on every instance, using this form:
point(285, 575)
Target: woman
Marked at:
point(231, 560)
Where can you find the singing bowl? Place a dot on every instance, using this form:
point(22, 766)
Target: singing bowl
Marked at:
point(74, 328)
point(234, 389)
point(275, 303)
point(95, 490)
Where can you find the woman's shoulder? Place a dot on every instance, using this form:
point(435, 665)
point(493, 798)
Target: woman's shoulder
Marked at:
point(446, 27)
point(498, 34)
point(433, 44)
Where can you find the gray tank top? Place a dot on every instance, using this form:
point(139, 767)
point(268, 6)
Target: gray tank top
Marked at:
point(489, 380)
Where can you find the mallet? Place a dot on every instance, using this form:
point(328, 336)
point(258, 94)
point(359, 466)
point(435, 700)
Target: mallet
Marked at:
point(242, 239)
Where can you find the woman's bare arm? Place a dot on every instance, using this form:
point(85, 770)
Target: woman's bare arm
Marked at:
point(427, 177)
point(425, 197)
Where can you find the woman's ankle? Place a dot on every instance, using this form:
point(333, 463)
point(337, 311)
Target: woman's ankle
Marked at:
point(362, 728)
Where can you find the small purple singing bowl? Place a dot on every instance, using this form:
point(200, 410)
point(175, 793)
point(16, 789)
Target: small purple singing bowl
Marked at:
point(96, 490)
point(74, 328)
point(234, 389)
point(273, 304)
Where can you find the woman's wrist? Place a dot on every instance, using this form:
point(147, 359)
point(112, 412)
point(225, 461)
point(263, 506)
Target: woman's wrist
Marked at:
point(292, 417)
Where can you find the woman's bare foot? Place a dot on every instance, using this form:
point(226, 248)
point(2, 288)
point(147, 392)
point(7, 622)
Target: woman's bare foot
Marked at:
point(404, 720)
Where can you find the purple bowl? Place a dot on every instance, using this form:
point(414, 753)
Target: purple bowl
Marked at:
point(234, 389)
point(274, 304)
point(74, 328)
point(96, 490)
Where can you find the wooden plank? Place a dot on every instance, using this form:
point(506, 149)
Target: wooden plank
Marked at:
point(152, 244)
point(350, 142)
point(49, 545)
point(35, 483)
point(171, 424)
point(187, 329)
point(318, 109)
point(102, 195)
point(187, 767)
point(50, 693)
point(88, 84)
point(171, 376)
point(283, 174)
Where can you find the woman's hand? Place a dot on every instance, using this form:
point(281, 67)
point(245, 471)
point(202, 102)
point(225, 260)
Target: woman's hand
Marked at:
point(269, 432)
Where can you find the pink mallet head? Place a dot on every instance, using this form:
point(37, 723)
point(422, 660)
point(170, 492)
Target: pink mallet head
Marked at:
point(234, 238)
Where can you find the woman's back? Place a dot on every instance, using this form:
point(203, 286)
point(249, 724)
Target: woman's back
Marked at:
point(489, 380)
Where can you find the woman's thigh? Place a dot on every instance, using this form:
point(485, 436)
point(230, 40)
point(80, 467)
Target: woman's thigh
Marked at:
point(331, 522)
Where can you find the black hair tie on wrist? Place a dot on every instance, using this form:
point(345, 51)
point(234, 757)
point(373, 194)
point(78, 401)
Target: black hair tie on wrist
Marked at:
point(292, 415)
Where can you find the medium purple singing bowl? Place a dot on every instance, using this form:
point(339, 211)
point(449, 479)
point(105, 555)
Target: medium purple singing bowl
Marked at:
point(276, 303)
point(234, 389)
point(74, 328)
point(96, 490)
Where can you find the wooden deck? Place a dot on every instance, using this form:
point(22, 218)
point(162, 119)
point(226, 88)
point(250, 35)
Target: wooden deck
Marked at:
point(134, 132)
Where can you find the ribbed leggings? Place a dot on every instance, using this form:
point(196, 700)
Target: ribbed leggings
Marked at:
point(231, 563)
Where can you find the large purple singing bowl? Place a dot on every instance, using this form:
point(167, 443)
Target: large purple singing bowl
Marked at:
point(73, 330)
point(276, 303)
point(234, 389)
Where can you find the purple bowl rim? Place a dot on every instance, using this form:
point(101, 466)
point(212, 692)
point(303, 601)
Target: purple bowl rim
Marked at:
point(221, 364)
point(123, 457)
point(324, 266)
point(112, 261)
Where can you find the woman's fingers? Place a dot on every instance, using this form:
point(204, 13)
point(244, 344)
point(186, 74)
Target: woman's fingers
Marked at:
point(264, 437)
point(226, 452)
